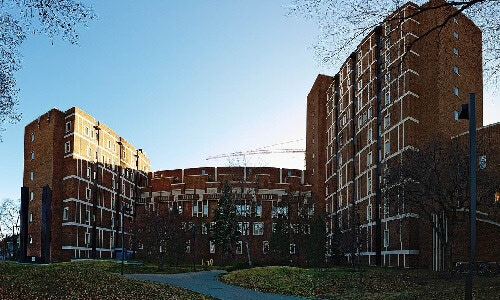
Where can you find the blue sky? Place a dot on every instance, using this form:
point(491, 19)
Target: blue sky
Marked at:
point(181, 79)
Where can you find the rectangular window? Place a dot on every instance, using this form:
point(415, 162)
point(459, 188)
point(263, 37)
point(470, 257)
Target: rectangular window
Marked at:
point(455, 20)
point(32, 196)
point(86, 131)
point(387, 44)
point(87, 238)
point(32, 175)
point(204, 229)
point(195, 210)
point(109, 144)
point(387, 121)
point(68, 126)
point(89, 152)
point(212, 247)
point(455, 50)
point(369, 159)
point(30, 219)
point(67, 147)
point(258, 228)
point(386, 210)
point(239, 247)
point(32, 155)
point(258, 210)
point(88, 193)
point(205, 210)
point(455, 35)
point(188, 246)
point(370, 112)
point(292, 248)
point(369, 184)
point(65, 213)
point(455, 70)
point(31, 239)
point(244, 228)
point(387, 98)
point(387, 147)
point(387, 78)
point(179, 208)
point(369, 135)
point(386, 238)
point(265, 247)
point(32, 137)
point(88, 172)
point(455, 91)
point(87, 216)
point(369, 212)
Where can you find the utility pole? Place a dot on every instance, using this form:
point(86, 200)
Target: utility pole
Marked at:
point(468, 112)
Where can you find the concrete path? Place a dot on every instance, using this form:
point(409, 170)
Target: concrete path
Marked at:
point(206, 282)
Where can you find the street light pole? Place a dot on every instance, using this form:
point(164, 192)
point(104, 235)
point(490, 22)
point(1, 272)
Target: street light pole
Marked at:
point(469, 112)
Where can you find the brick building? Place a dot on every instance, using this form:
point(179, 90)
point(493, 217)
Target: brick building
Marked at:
point(261, 195)
point(387, 99)
point(78, 174)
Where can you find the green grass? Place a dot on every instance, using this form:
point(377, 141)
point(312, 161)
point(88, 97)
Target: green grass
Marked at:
point(81, 280)
point(369, 283)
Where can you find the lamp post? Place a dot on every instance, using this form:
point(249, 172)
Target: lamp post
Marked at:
point(468, 112)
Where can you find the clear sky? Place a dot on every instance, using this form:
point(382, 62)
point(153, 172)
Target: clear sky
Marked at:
point(181, 79)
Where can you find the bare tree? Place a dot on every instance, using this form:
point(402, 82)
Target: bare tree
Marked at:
point(9, 219)
point(433, 182)
point(18, 19)
point(343, 24)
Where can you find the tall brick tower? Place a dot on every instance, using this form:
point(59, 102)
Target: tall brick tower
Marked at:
point(387, 99)
point(78, 175)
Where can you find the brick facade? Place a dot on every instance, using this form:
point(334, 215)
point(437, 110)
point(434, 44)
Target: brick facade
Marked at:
point(91, 172)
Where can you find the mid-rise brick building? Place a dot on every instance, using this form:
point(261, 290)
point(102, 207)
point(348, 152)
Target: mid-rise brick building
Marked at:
point(261, 195)
point(78, 174)
point(386, 99)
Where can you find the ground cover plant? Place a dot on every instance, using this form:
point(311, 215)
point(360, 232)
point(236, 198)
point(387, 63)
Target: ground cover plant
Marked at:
point(81, 280)
point(365, 283)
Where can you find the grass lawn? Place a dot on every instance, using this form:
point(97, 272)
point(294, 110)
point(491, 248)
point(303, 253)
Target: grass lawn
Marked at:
point(82, 280)
point(369, 283)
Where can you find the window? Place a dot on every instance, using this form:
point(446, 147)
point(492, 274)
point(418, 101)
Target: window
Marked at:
point(32, 196)
point(258, 210)
point(369, 159)
point(239, 247)
point(179, 208)
point(265, 247)
point(86, 131)
point(68, 126)
point(386, 210)
point(109, 144)
point(369, 212)
point(205, 210)
point(292, 248)
point(32, 137)
point(188, 246)
point(387, 78)
point(32, 175)
point(88, 173)
point(360, 84)
point(212, 247)
point(195, 209)
point(88, 193)
point(455, 91)
point(387, 147)
point(387, 121)
point(455, 35)
point(387, 29)
point(65, 213)
point(369, 135)
point(370, 112)
point(87, 216)
point(387, 44)
point(455, 70)
point(455, 20)
point(388, 59)
point(67, 147)
point(455, 50)
point(340, 200)
point(203, 172)
point(258, 228)
point(31, 239)
point(32, 155)
point(360, 121)
point(387, 97)
point(289, 172)
point(30, 219)
point(369, 184)
point(204, 229)
point(244, 228)
point(87, 238)
point(386, 238)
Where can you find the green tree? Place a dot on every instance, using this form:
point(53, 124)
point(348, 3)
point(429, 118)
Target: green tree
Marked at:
point(316, 242)
point(225, 231)
point(279, 242)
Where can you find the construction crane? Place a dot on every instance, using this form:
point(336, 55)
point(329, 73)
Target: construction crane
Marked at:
point(261, 150)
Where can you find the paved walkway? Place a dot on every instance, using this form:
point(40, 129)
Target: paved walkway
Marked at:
point(206, 282)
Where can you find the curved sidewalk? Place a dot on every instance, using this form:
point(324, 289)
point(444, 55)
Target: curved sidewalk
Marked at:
point(206, 282)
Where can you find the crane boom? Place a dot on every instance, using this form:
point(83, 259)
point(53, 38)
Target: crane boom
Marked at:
point(256, 152)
